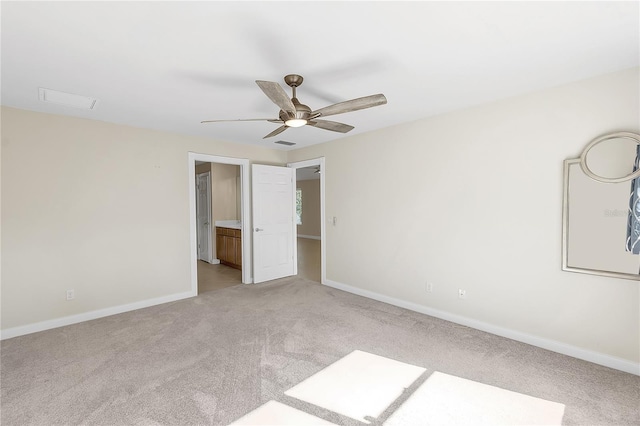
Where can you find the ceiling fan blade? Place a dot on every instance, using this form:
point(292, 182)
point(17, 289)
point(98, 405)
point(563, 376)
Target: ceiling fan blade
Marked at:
point(352, 105)
point(334, 126)
point(276, 131)
point(273, 120)
point(278, 96)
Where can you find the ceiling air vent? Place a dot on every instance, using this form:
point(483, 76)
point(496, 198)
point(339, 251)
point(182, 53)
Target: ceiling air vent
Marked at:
point(285, 143)
point(66, 99)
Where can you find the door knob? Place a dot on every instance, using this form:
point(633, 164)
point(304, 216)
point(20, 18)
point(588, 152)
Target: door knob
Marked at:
point(259, 229)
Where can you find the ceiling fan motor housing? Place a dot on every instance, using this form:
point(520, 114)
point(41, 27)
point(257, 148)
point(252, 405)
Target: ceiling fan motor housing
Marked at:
point(302, 112)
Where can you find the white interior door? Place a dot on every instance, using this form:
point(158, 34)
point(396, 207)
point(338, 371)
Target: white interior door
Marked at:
point(203, 215)
point(273, 207)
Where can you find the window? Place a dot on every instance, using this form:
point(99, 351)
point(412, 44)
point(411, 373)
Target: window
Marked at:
point(298, 206)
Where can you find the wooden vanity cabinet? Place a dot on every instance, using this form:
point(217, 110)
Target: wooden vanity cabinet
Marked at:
point(229, 246)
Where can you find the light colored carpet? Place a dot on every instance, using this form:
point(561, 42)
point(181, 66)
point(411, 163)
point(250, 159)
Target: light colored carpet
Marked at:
point(216, 357)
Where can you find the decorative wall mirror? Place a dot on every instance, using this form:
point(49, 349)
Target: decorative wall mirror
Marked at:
point(601, 209)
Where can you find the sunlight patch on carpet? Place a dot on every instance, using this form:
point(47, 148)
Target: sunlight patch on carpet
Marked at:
point(274, 413)
point(451, 400)
point(357, 386)
point(362, 386)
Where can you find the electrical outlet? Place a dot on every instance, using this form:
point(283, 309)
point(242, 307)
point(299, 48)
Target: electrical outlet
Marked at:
point(429, 287)
point(462, 294)
point(70, 294)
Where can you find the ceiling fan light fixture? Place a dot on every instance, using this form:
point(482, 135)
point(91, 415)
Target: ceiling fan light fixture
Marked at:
point(294, 114)
point(296, 122)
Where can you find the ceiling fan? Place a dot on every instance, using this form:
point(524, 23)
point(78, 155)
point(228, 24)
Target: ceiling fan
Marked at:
point(294, 114)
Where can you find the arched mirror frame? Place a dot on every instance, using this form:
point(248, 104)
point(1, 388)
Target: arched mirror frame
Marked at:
point(618, 135)
point(582, 162)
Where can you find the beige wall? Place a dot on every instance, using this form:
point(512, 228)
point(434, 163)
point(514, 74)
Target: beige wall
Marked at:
point(470, 199)
point(96, 207)
point(310, 207)
point(223, 187)
point(473, 200)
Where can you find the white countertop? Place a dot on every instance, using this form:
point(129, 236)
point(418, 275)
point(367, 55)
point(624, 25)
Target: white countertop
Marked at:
point(233, 224)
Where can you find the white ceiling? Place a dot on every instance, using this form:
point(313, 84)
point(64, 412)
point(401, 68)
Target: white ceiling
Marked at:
point(169, 65)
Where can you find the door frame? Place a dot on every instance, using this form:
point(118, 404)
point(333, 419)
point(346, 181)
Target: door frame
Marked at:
point(210, 249)
point(323, 246)
point(247, 262)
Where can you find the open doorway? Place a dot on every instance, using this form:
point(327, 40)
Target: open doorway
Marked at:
point(219, 235)
point(220, 256)
point(310, 219)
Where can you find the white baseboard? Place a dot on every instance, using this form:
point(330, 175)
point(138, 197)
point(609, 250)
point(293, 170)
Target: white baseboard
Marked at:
point(552, 345)
point(310, 237)
point(87, 316)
